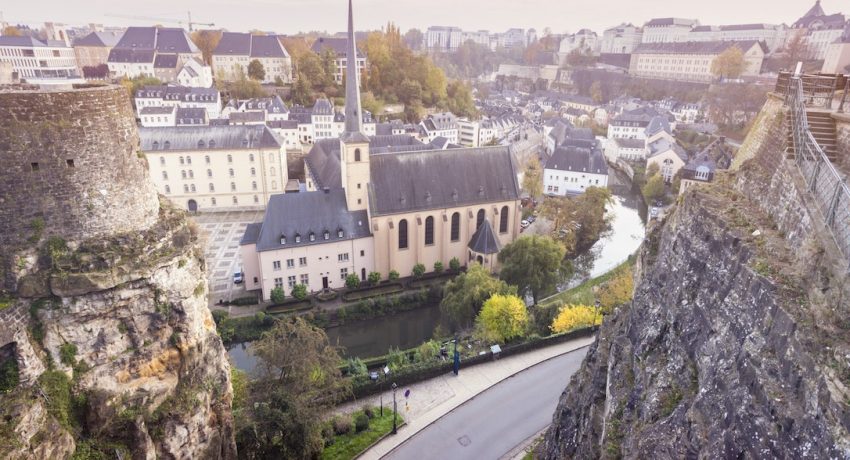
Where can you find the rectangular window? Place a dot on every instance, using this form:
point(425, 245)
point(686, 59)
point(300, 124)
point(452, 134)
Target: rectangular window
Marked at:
point(302, 261)
point(290, 263)
point(305, 279)
point(291, 281)
point(343, 257)
point(276, 265)
point(343, 272)
point(278, 283)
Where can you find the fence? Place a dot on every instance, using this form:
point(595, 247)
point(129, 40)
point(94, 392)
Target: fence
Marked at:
point(828, 186)
point(816, 90)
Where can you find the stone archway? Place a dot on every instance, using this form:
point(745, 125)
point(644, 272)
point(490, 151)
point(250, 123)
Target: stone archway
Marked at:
point(192, 205)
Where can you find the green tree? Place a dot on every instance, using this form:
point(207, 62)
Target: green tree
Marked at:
point(532, 178)
point(355, 366)
point(413, 39)
point(301, 93)
point(596, 92)
point(729, 64)
point(459, 99)
point(352, 281)
point(654, 188)
point(256, 71)
point(298, 382)
point(277, 295)
point(299, 292)
point(502, 318)
point(374, 278)
point(533, 264)
point(465, 294)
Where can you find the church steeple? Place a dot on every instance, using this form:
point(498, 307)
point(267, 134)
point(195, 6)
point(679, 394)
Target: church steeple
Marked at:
point(353, 112)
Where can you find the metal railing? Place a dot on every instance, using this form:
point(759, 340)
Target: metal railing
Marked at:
point(828, 186)
point(818, 90)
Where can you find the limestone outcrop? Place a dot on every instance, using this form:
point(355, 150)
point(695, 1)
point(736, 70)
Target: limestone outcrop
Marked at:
point(737, 342)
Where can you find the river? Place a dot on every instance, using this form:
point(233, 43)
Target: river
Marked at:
point(409, 329)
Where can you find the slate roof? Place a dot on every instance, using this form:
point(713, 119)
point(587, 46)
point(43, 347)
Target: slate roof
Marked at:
point(165, 61)
point(642, 115)
point(435, 179)
point(484, 241)
point(27, 42)
point(656, 125)
point(100, 39)
point(272, 104)
point(282, 124)
point(323, 158)
point(571, 158)
point(208, 137)
point(662, 145)
point(157, 110)
point(190, 115)
point(440, 121)
point(131, 55)
point(661, 22)
point(253, 116)
point(246, 44)
point(338, 45)
point(300, 214)
point(714, 47)
point(178, 93)
point(161, 39)
point(322, 106)
point(630, 143)
point(252, 234)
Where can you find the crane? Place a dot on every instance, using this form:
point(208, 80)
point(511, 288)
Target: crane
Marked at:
point(189, 23)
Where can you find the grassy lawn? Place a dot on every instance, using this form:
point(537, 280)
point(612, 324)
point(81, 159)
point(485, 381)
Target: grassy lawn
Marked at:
point(350, 445)
point(583, 293)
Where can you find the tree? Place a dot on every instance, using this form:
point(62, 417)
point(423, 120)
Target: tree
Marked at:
point(502, 318)
point(596, 92)
point(579, 221)
point(299, 292)
point(532, 178)
point(618, 290)
point(654, 188)
point(729, 64)
point(459, 99)
point(301, 93)
point(352, 281)
point(277, 295)
point(413, 39)
point(374, 278)
point(298, 382)
point(533, 264)
point(256, 71)
point(206, 41)
point(136, 83)
point(464, 295)
point(796, 50)
point(12, 31)
point(575, 316)
point(99, 71)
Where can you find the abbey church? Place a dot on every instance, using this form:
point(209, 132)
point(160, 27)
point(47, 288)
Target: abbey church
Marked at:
point(382, 203)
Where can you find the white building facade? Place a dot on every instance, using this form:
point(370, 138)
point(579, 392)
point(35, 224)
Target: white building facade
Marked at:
point(40, 62)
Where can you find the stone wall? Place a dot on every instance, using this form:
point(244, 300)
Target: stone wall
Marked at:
point(70, 160)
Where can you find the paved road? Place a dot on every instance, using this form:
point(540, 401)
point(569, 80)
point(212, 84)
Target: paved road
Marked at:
point(496, 421)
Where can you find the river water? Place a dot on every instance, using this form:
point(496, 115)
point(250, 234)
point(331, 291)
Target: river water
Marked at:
point(409, 329)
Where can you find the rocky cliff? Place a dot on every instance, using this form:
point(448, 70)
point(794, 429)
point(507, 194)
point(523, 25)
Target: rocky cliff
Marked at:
point(737, 341)
point(107, 346)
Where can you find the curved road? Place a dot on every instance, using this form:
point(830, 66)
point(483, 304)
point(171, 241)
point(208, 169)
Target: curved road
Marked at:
point(494, 422)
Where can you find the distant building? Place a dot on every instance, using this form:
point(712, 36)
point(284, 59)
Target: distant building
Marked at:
point(622, 39)
point(339, 46)
point(702, 167)
point(636, 124)
point(151, 51)
point(691, 61)
point(837, 58)
point(208, 99)
point(449, 39)
point(630, 149)
point(773, 36)
point(584, 41)
point(323, 121)
point(513, 38)
point(571, 170)
point(235, 52)
point(7, 74)
point(93, 49)
point(195, 74)
point(472, 133)
point(821, 30)
point(215, 168)
point(39, 62)
point(668, 156)
point(667, 30)
point(443, 124)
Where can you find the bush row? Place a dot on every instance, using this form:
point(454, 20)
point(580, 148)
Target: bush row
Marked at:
point(386, 305)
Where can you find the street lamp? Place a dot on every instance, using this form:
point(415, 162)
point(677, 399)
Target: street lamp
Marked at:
point(395, 410)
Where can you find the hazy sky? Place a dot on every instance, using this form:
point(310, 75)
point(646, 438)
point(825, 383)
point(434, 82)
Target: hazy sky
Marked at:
point(292, 16)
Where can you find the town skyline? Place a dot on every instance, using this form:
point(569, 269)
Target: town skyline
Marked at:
point(322, 15)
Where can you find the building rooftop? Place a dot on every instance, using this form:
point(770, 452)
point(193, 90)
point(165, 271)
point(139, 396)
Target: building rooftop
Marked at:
point(227, 137)
point(484, 240)
point(572, 158)
point(713, 47)
point(157, 110)
point(99, 39)
point(245, 44)
point(160, 39)
point(306, 219)
point(338, 45)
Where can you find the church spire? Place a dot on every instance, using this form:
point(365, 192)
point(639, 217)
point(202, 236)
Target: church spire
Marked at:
point(353, 112)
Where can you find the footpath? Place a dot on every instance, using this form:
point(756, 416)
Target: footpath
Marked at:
point(434, 398)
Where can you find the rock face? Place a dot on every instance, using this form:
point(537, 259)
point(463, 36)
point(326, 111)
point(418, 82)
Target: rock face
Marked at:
point(107, 319)
point(736, 344)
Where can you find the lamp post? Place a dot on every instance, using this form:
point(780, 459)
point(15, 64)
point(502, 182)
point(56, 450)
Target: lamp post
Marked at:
point(395, 410)
point(456, 365)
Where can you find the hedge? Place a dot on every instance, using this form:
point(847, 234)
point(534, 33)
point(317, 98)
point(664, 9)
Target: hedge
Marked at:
point(303, 305)
point(373, 291)
point(362, 386)
point(382, 306)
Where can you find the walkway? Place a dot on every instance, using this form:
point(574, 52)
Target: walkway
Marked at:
point(432, 399)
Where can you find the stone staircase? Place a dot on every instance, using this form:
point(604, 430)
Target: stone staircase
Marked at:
point(822, 126)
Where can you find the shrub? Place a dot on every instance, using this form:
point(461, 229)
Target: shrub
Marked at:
point(418, 270)
point(396, 359)
point(342, 425)
point(454, 264)
point(361, 422)
point(438, 267)
point(277, 295)
point(355, 366)
point(299, 292)
point(575, 316)
point(328, 434)
point(393, 275)
point(374, 277)
point(9, 376)
point(369, 411)
point(502, 318)
point(68, 354)
point(352, 281)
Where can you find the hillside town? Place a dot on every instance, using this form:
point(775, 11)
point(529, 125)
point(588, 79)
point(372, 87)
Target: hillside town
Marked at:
point(310, 229)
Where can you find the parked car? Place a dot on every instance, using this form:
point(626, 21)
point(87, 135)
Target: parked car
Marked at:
point(238, 278)
point(531, 219)
point(524, 223)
